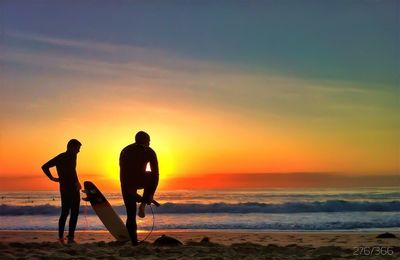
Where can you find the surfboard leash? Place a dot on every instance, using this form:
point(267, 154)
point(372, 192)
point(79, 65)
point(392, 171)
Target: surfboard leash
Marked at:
point(85, 212)
point(152, 228)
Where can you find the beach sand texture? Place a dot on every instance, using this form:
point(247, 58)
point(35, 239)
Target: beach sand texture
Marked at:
point(222, 245)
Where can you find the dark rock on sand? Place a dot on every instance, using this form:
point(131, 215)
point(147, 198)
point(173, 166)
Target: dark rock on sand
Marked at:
point(205, 240)
point(167, 241)
point(386, 235)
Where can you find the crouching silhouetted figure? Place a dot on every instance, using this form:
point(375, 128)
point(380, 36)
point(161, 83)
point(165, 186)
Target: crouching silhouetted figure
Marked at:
point(133, 161)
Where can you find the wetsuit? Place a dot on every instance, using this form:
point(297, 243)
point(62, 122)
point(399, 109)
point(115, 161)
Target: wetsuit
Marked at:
point(133, 176)
point(70, 196)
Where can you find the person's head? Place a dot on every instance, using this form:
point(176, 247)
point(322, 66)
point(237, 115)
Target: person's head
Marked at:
point(74, 146)
point(142, 138)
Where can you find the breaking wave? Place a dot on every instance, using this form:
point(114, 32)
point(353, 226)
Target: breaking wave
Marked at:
point(251, 207)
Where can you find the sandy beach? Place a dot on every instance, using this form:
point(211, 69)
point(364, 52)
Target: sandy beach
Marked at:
point(221, 245)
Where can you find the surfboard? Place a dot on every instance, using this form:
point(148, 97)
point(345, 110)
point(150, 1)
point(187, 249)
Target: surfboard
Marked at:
point(105, 212)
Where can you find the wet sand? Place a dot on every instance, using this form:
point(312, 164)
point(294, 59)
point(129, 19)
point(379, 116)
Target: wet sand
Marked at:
point(221, 245)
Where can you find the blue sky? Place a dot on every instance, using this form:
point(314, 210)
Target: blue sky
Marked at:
point(345, 40)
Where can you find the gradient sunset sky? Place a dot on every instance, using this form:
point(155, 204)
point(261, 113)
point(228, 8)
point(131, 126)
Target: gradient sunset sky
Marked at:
point(222, 87)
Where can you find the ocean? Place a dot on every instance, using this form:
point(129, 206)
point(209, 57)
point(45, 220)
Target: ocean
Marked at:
point(257, 210)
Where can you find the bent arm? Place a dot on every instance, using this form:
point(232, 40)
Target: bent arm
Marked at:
point(154, 167)
point(46, 169)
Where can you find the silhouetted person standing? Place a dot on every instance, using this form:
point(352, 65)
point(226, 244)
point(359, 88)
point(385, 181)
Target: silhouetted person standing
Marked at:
point(133, 176)
point(65, 164)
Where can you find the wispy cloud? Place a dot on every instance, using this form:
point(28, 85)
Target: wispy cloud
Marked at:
point(62, 42)
point(118, 56)
point(166, 76)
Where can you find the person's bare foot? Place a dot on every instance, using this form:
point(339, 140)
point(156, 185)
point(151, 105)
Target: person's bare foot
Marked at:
point(141, 212)
point(61, 241)
point(71, 241)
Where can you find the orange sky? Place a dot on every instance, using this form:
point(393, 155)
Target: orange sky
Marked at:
point(190, 136)
point(266, 106)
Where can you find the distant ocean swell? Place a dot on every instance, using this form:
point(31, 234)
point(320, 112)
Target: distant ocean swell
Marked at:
point(178, 208)
point(249, 225)
point(286, 226)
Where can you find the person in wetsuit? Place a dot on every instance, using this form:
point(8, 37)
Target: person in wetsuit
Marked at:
point(133, 161)
point(65, 164)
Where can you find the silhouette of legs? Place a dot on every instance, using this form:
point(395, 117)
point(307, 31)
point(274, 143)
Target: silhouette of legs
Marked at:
point(129, 195)
point(65, 206)
point(149, 188)
point(130, 205)
point(69, 202)
point(73, 219)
